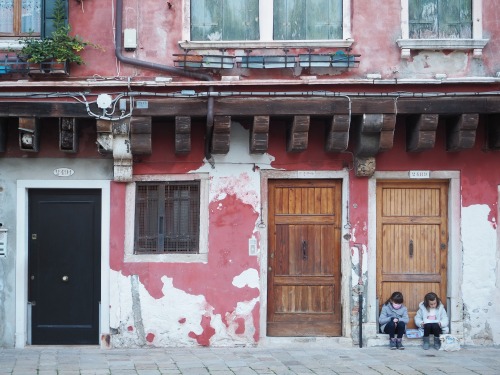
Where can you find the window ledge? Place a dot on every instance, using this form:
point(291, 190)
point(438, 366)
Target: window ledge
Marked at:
point(476, 45)
point(166, 258)
point(338, 43)
point(10, 45)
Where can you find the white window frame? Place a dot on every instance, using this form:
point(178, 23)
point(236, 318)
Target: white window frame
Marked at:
point(130, 193)
point(476, 44)
point(266, 32)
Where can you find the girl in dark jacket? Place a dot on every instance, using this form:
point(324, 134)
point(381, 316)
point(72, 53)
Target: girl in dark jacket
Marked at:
point(393, 320)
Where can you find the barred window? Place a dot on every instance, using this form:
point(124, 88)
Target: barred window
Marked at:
point(167, 217)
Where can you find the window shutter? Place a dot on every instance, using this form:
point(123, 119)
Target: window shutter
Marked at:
point(423, 16)
point(224, 20)
point(240, 20)
point(455, 19)
point(48, 16)
point(324, 19)
point(440, 19)
point(307, 19)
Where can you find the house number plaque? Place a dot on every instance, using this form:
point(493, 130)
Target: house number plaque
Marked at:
point(64, 172)
point(420, 174)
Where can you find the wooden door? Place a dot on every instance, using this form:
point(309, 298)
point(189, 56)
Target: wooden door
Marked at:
point(412, 240)
point(304, 258)
point(64, 266)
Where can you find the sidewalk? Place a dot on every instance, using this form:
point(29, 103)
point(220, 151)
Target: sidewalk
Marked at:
point(245, 361)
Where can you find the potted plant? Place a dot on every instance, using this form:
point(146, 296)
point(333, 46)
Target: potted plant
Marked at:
point(61, 48)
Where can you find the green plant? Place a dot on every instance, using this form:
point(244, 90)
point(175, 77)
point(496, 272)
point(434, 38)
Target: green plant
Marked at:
point(61, 46)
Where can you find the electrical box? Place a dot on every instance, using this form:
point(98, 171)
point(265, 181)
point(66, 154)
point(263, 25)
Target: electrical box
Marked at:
point(3, 243)
point(130, 39)
point(252, 246)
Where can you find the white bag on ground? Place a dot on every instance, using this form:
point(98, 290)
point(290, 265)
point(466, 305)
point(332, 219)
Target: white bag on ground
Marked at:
point(449, 343)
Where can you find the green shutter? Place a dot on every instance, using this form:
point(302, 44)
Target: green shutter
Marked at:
point(423, 15)
point(431, 19)
point(455, 19)
point(307, 19)
point(48, 8)
point(213, 20)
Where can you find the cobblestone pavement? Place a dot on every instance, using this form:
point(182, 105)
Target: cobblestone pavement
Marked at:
point(246, 361)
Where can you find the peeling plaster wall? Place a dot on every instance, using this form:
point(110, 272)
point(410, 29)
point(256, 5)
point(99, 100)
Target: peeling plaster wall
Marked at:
point(479, 288)
point(217, 303)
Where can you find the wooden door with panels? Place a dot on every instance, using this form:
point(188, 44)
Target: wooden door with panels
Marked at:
point(304, 258)
point(412, 241)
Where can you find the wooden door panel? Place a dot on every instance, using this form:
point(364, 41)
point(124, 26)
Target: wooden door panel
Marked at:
point(304, 258)
point(411, 240)
point(313, 299)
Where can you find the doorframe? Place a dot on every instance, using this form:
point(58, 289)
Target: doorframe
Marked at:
point(454, 256)
point(345, 260)
point(23, 187)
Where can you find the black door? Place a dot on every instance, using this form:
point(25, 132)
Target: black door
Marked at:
point(64, 265)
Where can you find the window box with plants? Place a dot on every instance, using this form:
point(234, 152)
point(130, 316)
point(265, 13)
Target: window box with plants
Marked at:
point(54, 53)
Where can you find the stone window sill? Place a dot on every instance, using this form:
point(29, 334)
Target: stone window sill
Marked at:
point(476, 45)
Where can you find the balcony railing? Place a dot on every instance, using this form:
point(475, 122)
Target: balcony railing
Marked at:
point(338, 59)
point(15, 65)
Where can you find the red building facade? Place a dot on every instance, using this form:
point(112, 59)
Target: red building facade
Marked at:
point(234, 173)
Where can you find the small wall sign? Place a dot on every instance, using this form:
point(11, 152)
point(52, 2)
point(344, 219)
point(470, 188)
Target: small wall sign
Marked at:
point(64, 172)
point(420, 174)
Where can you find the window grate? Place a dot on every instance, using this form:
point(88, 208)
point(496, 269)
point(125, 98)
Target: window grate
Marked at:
point(167, 217)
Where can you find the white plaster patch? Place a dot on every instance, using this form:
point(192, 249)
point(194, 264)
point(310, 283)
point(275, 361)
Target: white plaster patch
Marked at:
point(479, 277)
point(171, 318)
point(248, 278)
point(237, 172)
point(430, 62)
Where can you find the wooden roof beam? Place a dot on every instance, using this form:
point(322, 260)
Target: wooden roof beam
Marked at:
point(259, 135)
point(298, 134)
point(375, 134)
point(461, 132)
point(337, 137)
point(421, 132)
point(221, 134)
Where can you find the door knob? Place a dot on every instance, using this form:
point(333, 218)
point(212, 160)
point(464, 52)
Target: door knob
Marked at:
point(65, 278)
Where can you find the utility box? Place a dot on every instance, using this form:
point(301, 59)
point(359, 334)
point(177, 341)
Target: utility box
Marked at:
point(130, 39)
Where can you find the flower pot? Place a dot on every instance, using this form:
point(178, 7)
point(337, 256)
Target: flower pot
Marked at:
point(218, 61)
point(266, 62)
point(188, 61)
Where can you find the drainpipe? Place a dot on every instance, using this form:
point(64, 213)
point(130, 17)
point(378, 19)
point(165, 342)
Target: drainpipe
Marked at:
point(165, 68)
point(360, 293)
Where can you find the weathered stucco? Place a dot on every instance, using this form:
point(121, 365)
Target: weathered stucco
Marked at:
point(479, 288)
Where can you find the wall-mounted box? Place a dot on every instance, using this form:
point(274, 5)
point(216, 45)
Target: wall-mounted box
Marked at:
point(130, 39)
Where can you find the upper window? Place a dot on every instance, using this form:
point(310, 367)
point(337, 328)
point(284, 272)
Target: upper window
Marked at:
point(264, 23)
point(20, 17)
point(224, 20)
point(440, 19)
point(307, 19)
point(441, 25)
